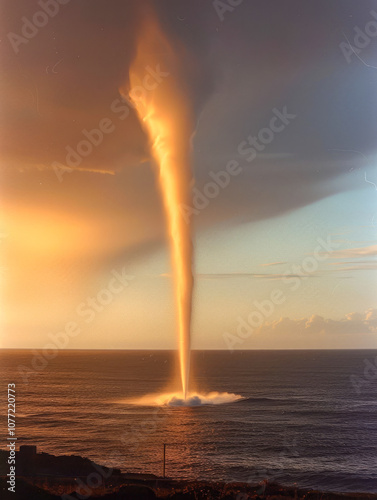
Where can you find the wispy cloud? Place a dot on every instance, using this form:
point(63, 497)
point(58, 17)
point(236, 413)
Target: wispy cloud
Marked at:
point(356, 323)
point(274, 156)
point(42, 167)
point(251, 275)
point(354, 253)
point(274, 264)
point(358, 259)
point(357, 267)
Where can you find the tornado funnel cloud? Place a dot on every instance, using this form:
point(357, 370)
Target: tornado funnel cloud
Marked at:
point(164, 112)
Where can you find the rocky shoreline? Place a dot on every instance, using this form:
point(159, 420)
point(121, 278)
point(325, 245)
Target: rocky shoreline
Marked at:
point(41, 476)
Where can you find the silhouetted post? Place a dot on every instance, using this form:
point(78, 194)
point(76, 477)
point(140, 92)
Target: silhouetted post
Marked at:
point(163, 469)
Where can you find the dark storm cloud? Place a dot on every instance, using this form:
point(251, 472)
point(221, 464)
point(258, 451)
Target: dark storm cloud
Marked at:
point(264, 54)
point(66, 77)
point(45, 111)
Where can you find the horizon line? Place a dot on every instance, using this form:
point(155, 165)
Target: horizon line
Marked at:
point(199, 350)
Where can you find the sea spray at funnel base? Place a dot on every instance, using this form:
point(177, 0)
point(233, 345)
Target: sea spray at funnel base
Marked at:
point(191, 399)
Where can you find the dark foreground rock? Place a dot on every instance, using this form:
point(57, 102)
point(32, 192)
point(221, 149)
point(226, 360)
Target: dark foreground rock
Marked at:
point(181, 491)
point(40, 476)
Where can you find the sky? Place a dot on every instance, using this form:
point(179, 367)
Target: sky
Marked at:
point(284, 210)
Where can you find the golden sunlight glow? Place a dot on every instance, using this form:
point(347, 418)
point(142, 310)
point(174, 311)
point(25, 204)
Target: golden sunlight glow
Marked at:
point(166, 117)
point(176, 399)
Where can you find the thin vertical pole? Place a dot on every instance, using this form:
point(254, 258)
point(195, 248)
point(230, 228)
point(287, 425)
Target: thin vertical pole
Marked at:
point(163, 470)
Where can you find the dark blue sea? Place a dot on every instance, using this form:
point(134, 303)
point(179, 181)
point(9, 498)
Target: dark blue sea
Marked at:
point(304, 417)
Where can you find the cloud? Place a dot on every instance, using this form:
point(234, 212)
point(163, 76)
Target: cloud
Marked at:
point(358, 267)
point(273, 264)
point(274, 156)
point(215, 276)
point(60, 170)
point(352, 323)
point(354, 253)
point(358, 264)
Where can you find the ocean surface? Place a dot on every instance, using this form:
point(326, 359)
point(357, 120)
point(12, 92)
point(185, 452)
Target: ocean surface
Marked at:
point(305, 417)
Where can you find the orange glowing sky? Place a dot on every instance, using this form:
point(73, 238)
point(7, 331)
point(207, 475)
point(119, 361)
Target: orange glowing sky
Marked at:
point(63, 238)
